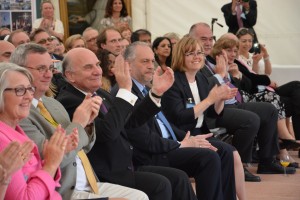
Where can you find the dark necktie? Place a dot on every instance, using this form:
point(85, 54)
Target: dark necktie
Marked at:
point(103, 108)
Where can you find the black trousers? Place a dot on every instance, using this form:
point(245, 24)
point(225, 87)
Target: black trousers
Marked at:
point(175, 184)
point(213, 171)
point(244, 119)
point(290, 96)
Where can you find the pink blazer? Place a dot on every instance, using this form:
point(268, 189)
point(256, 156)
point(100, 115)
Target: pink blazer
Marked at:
point(30, 182)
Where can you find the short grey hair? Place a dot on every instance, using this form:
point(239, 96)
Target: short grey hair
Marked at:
point(19, 56)
point(5, 68)
point(130, 52)
point(66, 64)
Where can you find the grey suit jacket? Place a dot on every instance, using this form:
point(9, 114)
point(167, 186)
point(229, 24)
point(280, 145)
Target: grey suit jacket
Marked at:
point(38, 129)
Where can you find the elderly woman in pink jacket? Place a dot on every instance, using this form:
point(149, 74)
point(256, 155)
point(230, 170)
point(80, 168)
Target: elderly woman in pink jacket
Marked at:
point(38, 178)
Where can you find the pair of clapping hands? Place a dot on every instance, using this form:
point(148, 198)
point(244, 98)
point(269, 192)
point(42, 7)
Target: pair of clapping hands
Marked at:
point(15, 155)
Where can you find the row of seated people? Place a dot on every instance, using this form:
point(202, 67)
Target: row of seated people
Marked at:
point(153, 142)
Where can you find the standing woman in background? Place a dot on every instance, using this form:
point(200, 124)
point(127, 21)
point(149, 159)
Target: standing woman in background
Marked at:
point(53, 26)
point(116, 15)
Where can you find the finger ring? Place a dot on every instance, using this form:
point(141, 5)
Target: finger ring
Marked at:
point(63, 147)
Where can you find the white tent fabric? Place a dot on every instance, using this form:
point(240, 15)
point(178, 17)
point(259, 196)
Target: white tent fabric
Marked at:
point(277, 25)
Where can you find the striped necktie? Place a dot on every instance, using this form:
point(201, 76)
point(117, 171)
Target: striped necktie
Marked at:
point(81, 154)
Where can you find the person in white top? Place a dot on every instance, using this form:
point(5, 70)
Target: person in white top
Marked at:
point(48, 22)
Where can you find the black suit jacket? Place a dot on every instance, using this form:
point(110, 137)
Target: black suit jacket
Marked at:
point(150, 148)
point(111, 156)
point(175, 100)
point(255, 79)
point(231, 20)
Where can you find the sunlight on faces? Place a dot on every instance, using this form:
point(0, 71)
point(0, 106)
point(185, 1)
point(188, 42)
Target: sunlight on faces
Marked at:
point(142, 67)
point(245, 43)
point(164, 48)
point(194, 59)
point(40, 80)
point(86, 72)
point(16, 107)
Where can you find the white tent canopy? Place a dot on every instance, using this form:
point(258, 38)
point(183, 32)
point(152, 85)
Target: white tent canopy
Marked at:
point(276, 26)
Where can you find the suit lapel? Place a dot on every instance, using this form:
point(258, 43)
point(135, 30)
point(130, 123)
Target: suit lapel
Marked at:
point(185, 86)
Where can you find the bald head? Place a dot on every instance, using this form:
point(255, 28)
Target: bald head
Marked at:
point(6, 49)
point(203, 34)
point(230, 36)
point(82, 69)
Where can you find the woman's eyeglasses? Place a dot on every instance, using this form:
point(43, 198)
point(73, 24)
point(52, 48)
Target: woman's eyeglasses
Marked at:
point(20, 91)
point(194, 53)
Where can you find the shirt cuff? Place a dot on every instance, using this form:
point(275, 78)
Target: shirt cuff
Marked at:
point(127, 96)
point(220, 79)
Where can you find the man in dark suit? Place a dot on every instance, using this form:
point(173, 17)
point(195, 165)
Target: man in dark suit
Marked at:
point(246, 18)
point(156, 144)
point(240, 118)
point(74, 181)
point(111, 155)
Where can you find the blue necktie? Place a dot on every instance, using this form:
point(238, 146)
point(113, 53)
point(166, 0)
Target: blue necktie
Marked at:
point(163, 119)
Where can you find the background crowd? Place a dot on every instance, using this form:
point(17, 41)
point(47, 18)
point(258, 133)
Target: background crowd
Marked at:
point(113, 114)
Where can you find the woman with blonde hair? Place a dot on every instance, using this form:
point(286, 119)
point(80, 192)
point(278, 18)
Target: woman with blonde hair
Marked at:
point(48, 22)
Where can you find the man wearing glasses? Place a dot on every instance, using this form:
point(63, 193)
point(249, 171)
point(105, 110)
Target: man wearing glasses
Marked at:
point(43, 38)
point(90, 35)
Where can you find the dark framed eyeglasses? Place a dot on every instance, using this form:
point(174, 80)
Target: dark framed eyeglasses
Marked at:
point(43, 69)
point(194, 53)
point(20, 91)
point(44, 41)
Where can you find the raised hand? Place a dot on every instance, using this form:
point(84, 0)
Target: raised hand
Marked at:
point(220, 93)
point(162, 81)
point(54, 150)
point(72, 142)
point(121, 72)
point(234, 70)
point(221, 64)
